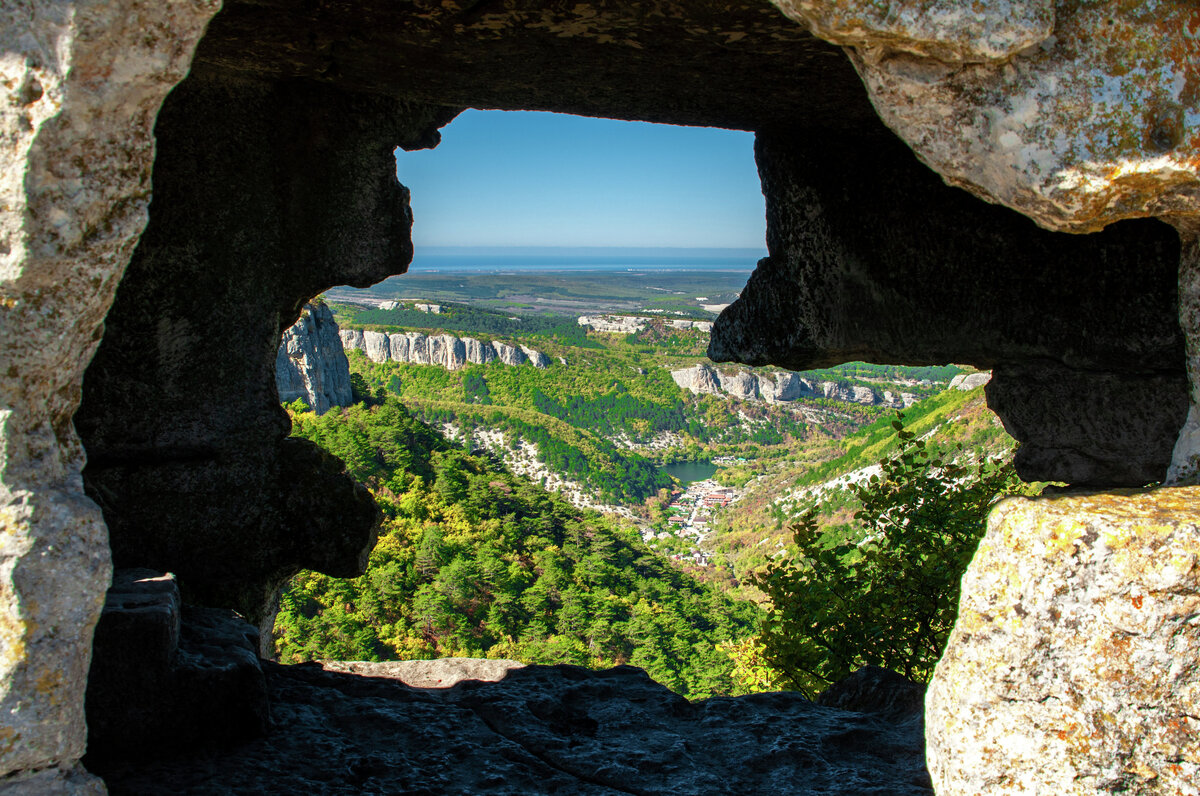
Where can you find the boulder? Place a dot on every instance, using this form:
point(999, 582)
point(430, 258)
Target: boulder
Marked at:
point(548, 729)
point(1074, 666)
point(168, 678)
point(969, 381)
point(1014, 99)
point(536, 358)
point(311, 364)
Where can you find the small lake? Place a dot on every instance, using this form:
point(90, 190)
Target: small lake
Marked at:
point(687, 472)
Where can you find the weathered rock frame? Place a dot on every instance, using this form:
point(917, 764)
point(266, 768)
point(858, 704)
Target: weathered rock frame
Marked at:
point(274, 180)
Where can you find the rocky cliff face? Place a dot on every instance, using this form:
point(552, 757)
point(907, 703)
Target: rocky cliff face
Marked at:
point(444, 350)
point(311, 364)
point(782, 387)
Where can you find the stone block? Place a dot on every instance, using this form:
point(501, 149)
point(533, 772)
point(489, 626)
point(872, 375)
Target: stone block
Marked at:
point(1074, 666)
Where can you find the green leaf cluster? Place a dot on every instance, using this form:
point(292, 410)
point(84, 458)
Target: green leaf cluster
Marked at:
point(887, 593)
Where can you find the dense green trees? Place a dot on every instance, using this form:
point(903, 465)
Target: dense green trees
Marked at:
point(462, 319)
point(474, 561)
point(887, 593)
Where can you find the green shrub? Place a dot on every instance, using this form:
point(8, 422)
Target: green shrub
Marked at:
point(887, 593)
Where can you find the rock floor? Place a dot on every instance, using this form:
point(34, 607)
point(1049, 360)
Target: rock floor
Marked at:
point(543, 730)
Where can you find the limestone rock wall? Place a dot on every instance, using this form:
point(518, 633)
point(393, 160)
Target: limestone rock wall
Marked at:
point(310, 364)
point(74, 181)
point(444, 350)
point(781, 387)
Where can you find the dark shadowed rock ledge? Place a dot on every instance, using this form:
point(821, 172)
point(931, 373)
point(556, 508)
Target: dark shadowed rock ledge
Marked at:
point(545, 729)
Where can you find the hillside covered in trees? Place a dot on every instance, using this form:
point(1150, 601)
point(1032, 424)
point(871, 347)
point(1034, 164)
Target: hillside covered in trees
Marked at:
point(474, 561)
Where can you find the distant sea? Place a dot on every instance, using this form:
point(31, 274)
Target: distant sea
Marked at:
point(429, 259)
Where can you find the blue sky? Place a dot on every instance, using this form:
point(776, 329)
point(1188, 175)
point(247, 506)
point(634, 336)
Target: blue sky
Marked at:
point(543, 179)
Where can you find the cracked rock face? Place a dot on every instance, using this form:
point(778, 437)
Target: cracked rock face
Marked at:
point(949, 30)
point(547, 729)
point(1074, 666)
point(310, 364)
point(1075, 113)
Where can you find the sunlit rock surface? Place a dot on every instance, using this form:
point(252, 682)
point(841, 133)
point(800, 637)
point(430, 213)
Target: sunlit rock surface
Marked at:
point(75, 163)
point(951, 30)
point(1075, 113)
point(1074, 666)
point(443, 350)
point(311, 365)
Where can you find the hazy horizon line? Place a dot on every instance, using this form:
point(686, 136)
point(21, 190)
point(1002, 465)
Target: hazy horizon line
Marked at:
point(557, 248)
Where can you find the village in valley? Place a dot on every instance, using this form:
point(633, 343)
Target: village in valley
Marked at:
point(690, 519)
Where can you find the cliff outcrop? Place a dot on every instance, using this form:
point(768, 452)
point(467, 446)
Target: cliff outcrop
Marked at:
point(443, 350)
point(311, 364)
point(782, 387)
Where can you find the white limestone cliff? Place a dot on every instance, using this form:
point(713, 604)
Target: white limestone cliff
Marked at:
point(443, 350)
point(311, 364)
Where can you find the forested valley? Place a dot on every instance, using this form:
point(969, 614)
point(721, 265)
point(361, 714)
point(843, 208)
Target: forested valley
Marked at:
point(528, 515)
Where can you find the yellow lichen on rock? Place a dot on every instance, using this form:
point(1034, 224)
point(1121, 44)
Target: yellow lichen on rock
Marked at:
point(1075, 113)
point(1074, 667)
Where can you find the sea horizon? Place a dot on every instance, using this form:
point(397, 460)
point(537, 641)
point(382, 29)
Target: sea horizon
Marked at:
point(429, 259)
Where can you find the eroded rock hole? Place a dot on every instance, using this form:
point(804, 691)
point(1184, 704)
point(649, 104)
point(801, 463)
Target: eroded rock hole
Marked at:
point(274, 181)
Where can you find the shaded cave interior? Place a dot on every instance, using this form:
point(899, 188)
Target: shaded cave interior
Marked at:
point(275, 179)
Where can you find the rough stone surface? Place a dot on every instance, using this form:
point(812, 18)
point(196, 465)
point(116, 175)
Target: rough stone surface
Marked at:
point(265, 195)
point(703, 62)
point(1059, 414)
point(850, 277)
point(1074, 666)
point(436, 673)
point(1185, 458)
point(544, 729)
point(969, 381)
point(1081, 113)
point(69, 780)
point(166, 677)
point(443, 350)
point(872, 689)
point(311, 364)
point(75, 164)
point(949, 30)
